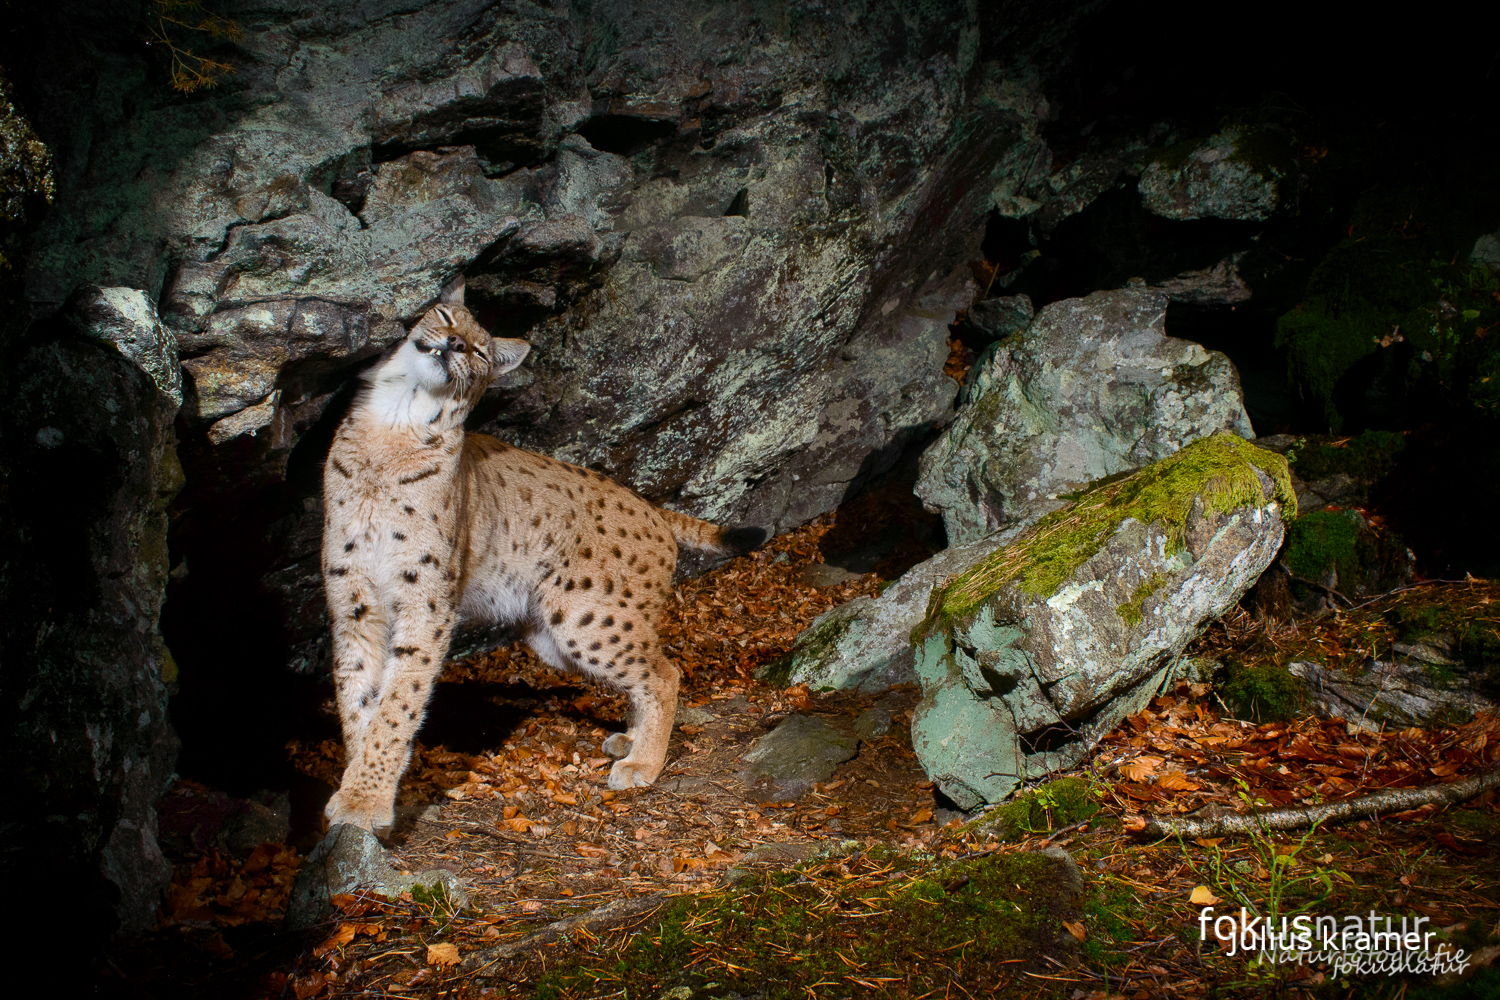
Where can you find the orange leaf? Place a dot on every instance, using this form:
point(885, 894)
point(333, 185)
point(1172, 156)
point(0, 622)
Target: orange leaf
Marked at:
point(1075, 928)
point(921, 815)
point(1141, 768)
point(1175, 781)
point(1202, 897)
point(444, 954)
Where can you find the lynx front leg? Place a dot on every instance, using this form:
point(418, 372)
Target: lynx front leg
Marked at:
point(360, 631)
point(418, 644)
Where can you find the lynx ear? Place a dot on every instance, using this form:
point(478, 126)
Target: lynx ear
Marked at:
point(453, 295)
point(508, 354)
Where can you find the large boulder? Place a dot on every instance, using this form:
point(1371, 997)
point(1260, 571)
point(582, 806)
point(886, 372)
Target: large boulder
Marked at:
point(1240, 173)
point(1085, 392)
point(1042, 646)
point(1093, 387)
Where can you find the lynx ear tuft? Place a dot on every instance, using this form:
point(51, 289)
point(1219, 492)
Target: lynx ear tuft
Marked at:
point(453, 295)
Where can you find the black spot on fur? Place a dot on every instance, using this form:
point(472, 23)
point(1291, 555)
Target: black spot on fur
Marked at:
point(588, 583)
point(557, 617)
point(339, 468)
point(349, 547)
point(339, 571)
point(596, 645)
point(427, 557)
point(569, 585)
point(627, 626)
point(609, 620)
point(587, 617)
point(418, 477)
point(398, 536)
point(360, 612)
point(405, 650)
point(410, 576)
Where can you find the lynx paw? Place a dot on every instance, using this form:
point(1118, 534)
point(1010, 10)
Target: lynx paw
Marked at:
point(359, 810)
point(617, 745)
point(631, 774)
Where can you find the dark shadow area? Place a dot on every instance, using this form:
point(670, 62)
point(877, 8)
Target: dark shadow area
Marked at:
point(625, 135)
point(882, 527)
point(1246, 335)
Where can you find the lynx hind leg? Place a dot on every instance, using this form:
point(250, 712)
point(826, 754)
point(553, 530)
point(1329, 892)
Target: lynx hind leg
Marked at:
point(367, 794)
point(653, 706)
point(623, 653)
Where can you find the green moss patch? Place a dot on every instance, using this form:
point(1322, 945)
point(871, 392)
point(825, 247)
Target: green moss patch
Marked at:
point(1220, 469)
point(1130, 612)
point(1054, 805)
point(871, 924)
point(1402, 281)
point(1266, 692)
point(1370, 456)
point(1325, 540)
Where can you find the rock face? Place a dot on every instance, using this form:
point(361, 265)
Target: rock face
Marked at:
point(1237, 174)
point(1093, 387)
point(735, 236)
point(1042, 646)
point(91, 471)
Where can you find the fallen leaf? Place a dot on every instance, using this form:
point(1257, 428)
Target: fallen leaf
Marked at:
point(1177, 781)
point(1209, 841)
point(1141, 768)
point(1202, 897)
point(443, 954)
point(921, 815)
point(453, 835)
point(309, 985)
point(1075, 928)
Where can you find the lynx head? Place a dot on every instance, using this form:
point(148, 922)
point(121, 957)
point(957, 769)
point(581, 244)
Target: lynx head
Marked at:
point(450, 355)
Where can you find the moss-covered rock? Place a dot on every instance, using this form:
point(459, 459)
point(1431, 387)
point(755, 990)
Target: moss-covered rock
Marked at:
point(1368, 456)
point(1052, 806)
point(1393, 320)
point(1263, 693)
point(1044, 644)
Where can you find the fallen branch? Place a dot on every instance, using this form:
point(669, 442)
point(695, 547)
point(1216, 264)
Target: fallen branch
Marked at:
point(1391, 800)
point(618, 910)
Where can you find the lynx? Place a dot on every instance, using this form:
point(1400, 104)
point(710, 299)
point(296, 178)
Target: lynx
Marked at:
point(426, 525)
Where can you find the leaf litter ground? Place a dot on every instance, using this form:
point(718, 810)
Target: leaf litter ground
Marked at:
point(522, 813)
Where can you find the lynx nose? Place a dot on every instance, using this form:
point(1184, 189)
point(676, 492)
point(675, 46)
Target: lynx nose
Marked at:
point(456, 344)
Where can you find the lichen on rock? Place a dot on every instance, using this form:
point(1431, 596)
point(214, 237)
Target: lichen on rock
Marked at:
point(1044, 644)
point(1235, 174)
point(1092, 388)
